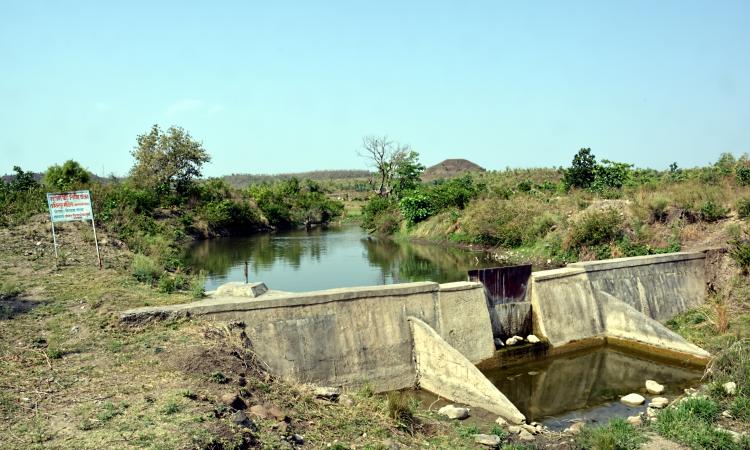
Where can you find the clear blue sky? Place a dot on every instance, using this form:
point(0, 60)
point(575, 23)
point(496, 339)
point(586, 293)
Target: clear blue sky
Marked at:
point(290, 86)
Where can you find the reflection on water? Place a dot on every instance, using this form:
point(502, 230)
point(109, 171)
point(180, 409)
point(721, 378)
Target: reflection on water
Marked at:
point(587, 385)
point(304, 260)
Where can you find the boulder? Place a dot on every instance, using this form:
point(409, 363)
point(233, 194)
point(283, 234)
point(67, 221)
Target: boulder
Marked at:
point(730, 388)
point(633, 399)
point(575, 428)
point(327, 393)
point(241, 419)
point(634, 420)
point(653, 387)
point(525, 436)
point(260, 412)
point(510, 341)
point(454, 412)
point(502, 422)
point(530, 428)
point(658, 403)
point(533, 339)
point(239, 289)
point(490, 440)
point(514, 429)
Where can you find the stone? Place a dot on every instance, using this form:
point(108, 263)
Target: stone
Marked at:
point(652, 412)
point(634, 420)
point(633, 399)
point(653, 387)
point(658, 403)
point(490, 440)
point(241, 419)
point(525, 436)
point(277, 414)
point(327, 393)
point(514, 429)
point(576, 428)
point(510, 341)
point(691, 392)
point(530, 428)
point(297, 439)
point(730, 388)
point(233, 401)
point(240, 289)
point(498, 343)
point(260, 412)
point(517, 338)
point(502, 422)
point(454, 412)
point(533, 339)
point(727, 414)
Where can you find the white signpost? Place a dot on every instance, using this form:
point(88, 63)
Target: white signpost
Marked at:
point(71, 207)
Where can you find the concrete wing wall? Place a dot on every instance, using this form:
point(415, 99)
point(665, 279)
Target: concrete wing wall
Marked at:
point(659, 286)
point(465, 320)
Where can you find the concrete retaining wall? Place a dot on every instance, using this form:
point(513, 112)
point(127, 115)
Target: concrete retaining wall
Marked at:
point(621, 299)
point(351, 336)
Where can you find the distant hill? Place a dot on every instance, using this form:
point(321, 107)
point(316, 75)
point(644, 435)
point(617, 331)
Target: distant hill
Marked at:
point(241, 180)
point(449, 169)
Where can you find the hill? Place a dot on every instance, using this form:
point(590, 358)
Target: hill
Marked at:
point(450, 168)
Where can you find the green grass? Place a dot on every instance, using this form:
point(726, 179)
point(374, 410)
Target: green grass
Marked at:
point(616, 435)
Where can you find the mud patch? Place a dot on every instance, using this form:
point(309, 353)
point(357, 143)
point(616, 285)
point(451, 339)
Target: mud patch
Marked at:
point(11, 307)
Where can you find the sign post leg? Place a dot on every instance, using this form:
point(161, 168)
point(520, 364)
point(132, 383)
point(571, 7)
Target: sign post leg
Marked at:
point(96, 241)
point(54, 239)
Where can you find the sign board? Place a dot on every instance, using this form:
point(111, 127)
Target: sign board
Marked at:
point(70, 206)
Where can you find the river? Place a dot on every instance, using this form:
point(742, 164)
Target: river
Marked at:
point(328, 257)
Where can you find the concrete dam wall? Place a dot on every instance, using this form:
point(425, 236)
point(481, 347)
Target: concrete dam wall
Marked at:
point(398, 336)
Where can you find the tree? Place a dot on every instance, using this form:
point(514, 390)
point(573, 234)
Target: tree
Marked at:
point(581, 173)
point(407, 173)
point(387, 157)
point(23, 181)
point(167, 161)
point(67, 177)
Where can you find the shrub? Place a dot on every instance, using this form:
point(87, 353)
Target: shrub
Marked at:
point(228, 215)
point(740, 408)
point(167, 284)
point(67, 177)
point(416, 207)
point(581, 172)
point(739, 251)
point(401, 410)
point(595, 228)
point(197, 285)
point(710, 211)
point(743, 207)
point(376, 207)
point(610, 175)
point(616, 435)
point(742, 174)
point(658, 210)
point(144, 269)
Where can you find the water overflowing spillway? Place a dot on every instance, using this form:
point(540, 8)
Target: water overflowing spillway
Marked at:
point(587, 384)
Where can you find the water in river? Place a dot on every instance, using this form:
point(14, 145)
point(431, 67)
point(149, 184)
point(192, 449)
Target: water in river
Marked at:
point(326, 258)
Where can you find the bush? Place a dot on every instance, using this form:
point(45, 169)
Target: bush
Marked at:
point(401, 410)
point(743, 208)
point(455, 193)
point(739, 251)
point(67, 177)
point(581, 172)
point(595, 228)
point(710, 211)
point(742, 174)
point(417, 207)
point(376, 207)
point(144, 269)
point(508, 223)
point(228, 215)
point(616, 435)
point(658, 210)
point(167, 284)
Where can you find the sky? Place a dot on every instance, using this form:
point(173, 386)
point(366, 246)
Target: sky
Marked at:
point(272, 87)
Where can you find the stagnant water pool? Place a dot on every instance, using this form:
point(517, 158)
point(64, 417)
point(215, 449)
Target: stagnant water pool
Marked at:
point(585, 385)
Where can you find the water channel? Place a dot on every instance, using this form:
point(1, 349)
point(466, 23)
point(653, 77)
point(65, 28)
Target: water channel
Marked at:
point(585, 385)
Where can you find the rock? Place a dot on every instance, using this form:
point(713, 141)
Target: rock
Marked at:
point(575, 428)
point(634, 420)
point(260, 412)
point(74, 329)
point(240, 289)
point(652, 412)
point(327, 393)
point(514, 429)
point(530, 428)
point(727, 414)
point(297, 439)
point(517, 338)
point(633, 399)
point(653, 387)
point(489, 440)
point(233, 401)
point(454, 412)
point(690, 392)
point(241, 419)
point(525, 436)
point(502, 422)
point(277, 414)
point(498, 343)
point(533, 339)
point(510, 341)
point(658, 403)
point(730, 388)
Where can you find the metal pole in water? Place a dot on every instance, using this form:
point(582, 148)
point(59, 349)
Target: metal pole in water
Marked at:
point(246, 281)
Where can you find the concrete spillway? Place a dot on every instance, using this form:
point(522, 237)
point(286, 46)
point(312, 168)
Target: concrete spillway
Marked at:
point(431, 334)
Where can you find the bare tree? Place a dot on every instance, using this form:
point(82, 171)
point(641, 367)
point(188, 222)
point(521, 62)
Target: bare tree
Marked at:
point(384, 155)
